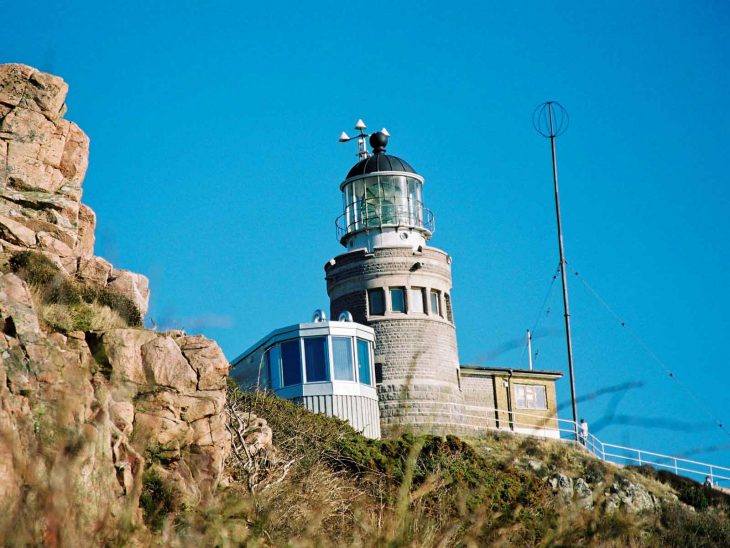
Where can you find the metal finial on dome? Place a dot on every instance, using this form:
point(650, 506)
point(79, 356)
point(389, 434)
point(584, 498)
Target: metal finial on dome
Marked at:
point(378, 141)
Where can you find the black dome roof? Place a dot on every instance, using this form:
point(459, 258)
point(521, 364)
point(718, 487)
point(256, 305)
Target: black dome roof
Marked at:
point(380, 162)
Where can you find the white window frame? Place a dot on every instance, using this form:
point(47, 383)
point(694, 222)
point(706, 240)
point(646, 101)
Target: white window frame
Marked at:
point(530, 402)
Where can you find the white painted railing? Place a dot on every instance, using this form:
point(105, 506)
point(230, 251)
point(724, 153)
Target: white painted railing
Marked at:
point(569, 431)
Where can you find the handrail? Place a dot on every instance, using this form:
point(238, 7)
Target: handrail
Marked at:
point(607, 452)
point(379, 215)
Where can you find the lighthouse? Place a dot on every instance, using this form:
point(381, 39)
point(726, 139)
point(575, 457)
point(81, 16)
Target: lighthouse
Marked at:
point(390, 279)
point(387, 360)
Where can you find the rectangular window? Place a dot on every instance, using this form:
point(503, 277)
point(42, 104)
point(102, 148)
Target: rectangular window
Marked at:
point(449, 312)
point(363, 361)
point(397, 299)
point(376, 302)
point(273, 362)
point(416, 301)
point(530, 396)
point(342, 356)
point(264, 371)
point(315, 350)
point(291, 363)
point(435, 303)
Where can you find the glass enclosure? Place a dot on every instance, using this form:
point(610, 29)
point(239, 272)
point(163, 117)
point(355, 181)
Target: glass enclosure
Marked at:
point(363, 360)
point(319, 359)
point(382, 200)
point(291, 363)
point(342, 355)
point(315, 356)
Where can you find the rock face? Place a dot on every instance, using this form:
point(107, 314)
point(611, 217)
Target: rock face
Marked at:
point(84, 414)
point(126, 396)
point(43, 161)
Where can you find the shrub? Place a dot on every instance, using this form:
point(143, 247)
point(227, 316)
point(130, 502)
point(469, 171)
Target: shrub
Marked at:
point(157, 499)
point(68, 304)
point(688, 491)
point(35, 268)
point(121, 304)
point(682, 527)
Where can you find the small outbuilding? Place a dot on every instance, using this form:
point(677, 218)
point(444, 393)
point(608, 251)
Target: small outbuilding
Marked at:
point(519, 400)
point(326, 366)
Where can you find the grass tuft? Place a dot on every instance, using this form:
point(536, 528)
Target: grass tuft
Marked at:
point(69, 305)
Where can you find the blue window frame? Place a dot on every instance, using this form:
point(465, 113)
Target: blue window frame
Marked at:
point(342, 355)
point(291, 363)
point(363, 361)
point(315, 358)
point(272, 363)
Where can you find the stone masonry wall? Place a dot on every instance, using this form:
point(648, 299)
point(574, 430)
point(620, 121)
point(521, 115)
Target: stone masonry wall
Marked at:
point(415, 353)
point(355, 303)
point(478, 394)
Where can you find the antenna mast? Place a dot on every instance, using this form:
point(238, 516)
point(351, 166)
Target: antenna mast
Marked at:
point(362, 149)
point(551, 120)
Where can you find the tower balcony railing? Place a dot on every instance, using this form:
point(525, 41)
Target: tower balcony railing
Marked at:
point(380, 216)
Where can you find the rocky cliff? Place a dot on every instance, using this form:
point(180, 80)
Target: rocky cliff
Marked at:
point(85, 412)
point(43, 161)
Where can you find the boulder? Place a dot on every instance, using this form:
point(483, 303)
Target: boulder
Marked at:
point(94, 270)
point(164, 365)
point(86, 225)
point(13, 81)
point(120, 352)
point(583, 494)
point(207, 359)
point(631, 496)
point(44, 93)
point(563, 485)
point(134, 286)
point(16, 310)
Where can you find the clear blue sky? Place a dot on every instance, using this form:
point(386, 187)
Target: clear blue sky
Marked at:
point(215, 169)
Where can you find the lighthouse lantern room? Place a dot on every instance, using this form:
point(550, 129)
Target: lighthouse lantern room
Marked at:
point(382, 200)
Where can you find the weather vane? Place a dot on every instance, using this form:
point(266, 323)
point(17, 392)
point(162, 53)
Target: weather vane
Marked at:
point(551, 120)
point(362, 149)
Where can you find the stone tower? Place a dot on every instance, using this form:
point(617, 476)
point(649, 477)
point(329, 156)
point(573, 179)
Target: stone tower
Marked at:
point(391, 280)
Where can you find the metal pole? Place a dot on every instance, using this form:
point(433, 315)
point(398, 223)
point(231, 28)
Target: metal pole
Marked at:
point(563, 275)
point(529, 347)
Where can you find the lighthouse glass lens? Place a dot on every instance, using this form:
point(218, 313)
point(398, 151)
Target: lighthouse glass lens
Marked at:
point(414, 201)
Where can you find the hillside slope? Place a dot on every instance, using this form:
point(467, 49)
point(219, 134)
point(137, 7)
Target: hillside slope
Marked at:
point(323, 483)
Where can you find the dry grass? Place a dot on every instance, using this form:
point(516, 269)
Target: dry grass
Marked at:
point(343, 490)
point(69, 304)
point(80, 317)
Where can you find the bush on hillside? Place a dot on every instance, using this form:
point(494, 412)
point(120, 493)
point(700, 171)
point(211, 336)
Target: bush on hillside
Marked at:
point(428, 484)
point(69, 304)
point(688, 490)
